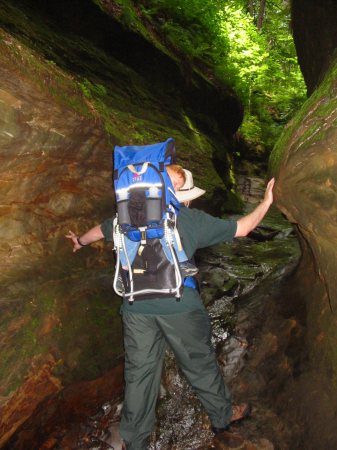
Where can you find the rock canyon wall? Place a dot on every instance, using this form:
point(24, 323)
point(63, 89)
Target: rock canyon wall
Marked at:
point(305, 164)
point(65, 101)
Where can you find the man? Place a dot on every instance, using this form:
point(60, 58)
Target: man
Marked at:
point(151, 325)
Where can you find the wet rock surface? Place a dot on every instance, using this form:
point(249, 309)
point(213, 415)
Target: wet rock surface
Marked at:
point(315, 36)
point(51, 159)
point(64, 103)
point(304, 161)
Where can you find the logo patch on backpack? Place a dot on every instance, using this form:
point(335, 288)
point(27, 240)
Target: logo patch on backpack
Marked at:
point(136, 178)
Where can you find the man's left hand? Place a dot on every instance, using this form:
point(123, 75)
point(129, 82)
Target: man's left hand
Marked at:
point(268, 195)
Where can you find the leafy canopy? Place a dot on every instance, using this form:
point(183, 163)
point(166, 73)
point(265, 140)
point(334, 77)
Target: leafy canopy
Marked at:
point(248, 45)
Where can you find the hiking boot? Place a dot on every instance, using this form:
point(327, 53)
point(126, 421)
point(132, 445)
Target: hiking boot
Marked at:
point(240, 412)
point(228, 440)
point(187, 269)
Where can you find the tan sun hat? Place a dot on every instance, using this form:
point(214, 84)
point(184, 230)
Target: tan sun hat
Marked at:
point(189, 192)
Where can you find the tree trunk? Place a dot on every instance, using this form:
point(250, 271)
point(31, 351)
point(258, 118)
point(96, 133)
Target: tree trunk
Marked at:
point(260, 17)
point(251, 7)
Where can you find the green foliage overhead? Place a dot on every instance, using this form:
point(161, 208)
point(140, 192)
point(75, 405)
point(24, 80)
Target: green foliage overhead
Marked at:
point(189, 25)
point(248, 45)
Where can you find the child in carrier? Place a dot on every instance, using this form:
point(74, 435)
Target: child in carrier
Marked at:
point(178, 179)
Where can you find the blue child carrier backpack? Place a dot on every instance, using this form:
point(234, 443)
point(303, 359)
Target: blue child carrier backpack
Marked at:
point(145, 223)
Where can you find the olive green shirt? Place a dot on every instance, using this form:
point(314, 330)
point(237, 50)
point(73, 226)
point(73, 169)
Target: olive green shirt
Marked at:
point(197, 230)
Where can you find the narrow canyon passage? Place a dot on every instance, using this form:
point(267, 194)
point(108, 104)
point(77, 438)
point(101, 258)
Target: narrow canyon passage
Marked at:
point(78, 78)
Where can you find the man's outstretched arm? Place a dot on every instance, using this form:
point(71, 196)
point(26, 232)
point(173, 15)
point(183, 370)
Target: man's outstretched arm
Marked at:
point(247, 223)
point(93, 235)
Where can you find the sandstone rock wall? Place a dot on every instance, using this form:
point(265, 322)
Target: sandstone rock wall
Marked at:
point(315, 35)
point(64, 103)
point(55, 169)
point(305, 163)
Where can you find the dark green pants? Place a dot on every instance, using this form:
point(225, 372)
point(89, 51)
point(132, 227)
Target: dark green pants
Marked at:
point(145, 339)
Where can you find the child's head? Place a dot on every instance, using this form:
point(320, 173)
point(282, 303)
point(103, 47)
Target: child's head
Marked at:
point(177, 175)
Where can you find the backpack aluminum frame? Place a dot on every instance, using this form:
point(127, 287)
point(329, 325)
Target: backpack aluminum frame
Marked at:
point(119, 245)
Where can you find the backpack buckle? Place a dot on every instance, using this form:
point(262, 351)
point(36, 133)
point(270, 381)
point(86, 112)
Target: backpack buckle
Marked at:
point(142, 235)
